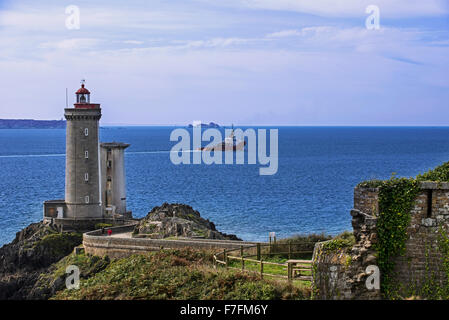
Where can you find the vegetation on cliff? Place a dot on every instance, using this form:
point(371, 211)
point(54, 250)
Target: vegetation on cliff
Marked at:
point(32, 251)
point(176, 274)
point(53, 279)
point(344, 240)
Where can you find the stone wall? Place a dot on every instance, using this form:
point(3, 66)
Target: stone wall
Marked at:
point(84, 225)
point(341, 273)
point(335, 278)
point(422, 262)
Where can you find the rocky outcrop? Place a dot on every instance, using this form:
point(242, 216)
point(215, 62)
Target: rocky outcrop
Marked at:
point(178, 220)
point(54, 278)
point(32, 251)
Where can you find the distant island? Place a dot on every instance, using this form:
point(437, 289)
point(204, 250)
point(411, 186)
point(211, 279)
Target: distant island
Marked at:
point(203, 125)
point(31, 124)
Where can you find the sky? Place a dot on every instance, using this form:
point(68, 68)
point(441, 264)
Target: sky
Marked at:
point(247, 62)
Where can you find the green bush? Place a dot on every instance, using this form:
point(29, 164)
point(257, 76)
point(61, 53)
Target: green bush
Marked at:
point(342, 241)
point(60, 244)
point(103, 225)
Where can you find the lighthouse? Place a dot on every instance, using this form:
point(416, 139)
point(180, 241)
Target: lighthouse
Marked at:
point(95, 180)
point(82, 176)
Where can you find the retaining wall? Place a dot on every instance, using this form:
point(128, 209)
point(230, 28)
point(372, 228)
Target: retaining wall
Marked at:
point(97, 244)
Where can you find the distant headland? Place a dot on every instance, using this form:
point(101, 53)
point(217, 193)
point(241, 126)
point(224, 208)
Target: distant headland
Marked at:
point(31, 124)
point(199, 124)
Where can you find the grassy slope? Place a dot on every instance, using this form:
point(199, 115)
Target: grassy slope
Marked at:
point(173, 274)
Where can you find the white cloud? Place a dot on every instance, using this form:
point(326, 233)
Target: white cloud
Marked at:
point(133, 42)
point(228, 69)
point(216, 43)
point(284, 34)
point(72, 44)
point(348, 8)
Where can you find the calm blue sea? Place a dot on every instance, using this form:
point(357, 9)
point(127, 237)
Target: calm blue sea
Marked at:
point(312, 191)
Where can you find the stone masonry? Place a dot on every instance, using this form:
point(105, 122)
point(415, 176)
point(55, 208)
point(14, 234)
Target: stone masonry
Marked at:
point(342, 274)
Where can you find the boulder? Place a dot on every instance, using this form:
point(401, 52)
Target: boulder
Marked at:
point(178, 220)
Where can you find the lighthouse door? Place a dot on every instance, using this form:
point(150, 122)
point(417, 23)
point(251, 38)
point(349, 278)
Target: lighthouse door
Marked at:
point(60, 212)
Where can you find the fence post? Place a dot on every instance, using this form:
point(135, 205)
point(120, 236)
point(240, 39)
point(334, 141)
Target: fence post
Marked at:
point(261, 268)
point(241, 255)
point(258, 252)
point(289, 271)
point(289, 250)
point(225, 258)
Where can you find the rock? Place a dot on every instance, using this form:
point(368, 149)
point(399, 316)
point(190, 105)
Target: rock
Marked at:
point(33, 250)
point(370, 259)
point(429, 222)
point(178, 220)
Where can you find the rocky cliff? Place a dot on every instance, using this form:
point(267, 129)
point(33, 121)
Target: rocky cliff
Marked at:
point(31, 253)
point(178, 220)
point(33, 265)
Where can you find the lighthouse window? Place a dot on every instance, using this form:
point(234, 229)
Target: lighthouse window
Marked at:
point(86, 132)
point(86, 177)
point(86, 154)
point(86, 199)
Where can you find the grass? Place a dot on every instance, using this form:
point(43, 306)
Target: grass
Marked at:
point(177, 274)
point(279, 254)
point(273, 270)
point(88, 265)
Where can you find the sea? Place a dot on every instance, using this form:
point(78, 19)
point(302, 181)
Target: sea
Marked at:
point(312, 191)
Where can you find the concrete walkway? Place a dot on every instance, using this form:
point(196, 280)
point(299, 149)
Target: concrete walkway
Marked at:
point(121, 235)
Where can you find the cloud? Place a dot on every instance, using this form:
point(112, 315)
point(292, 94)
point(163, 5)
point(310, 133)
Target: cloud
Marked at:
point(133, 42)
point(215, 43)
point(284, 34)
point(167, 64)
point(72, 44)
point(348, 8)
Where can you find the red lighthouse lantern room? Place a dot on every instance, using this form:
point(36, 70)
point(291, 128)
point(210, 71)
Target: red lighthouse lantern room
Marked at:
point(83, 99)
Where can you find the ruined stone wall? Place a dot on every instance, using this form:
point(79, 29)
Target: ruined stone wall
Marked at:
point(341, 273)
point(422, 262)
point(336, 278)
